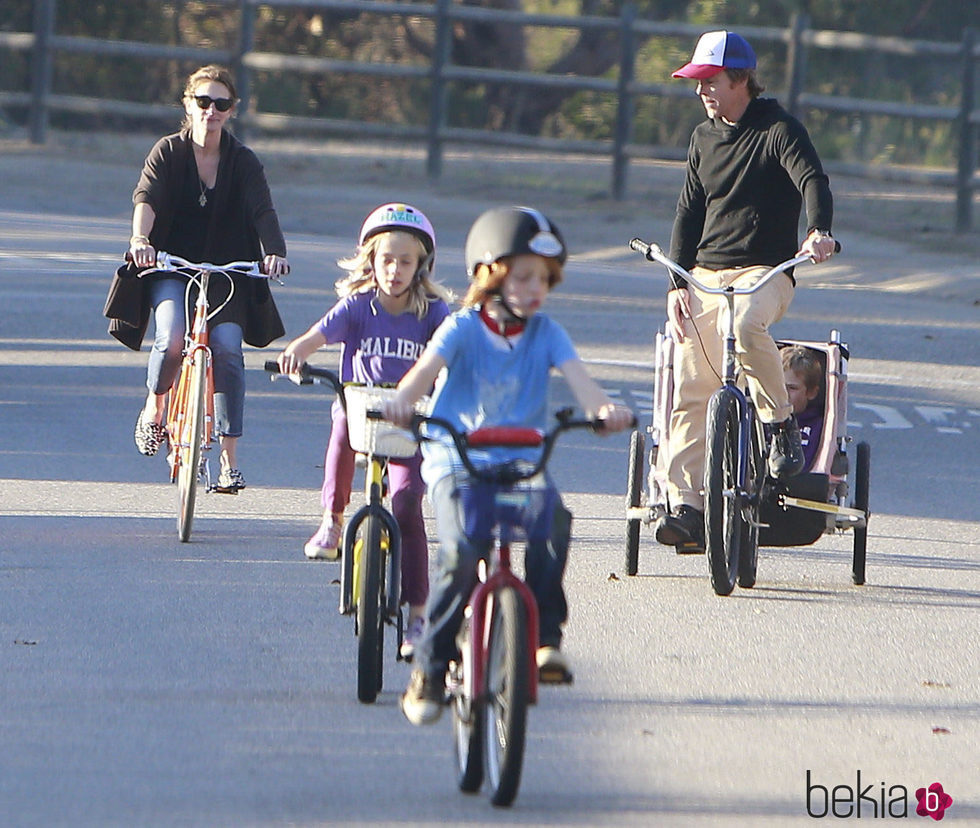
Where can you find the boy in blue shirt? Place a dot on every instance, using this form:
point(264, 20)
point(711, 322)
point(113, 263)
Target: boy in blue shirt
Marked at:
point(497, 353)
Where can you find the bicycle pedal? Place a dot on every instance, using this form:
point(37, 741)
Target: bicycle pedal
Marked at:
point(555, 676)
point(689, 548)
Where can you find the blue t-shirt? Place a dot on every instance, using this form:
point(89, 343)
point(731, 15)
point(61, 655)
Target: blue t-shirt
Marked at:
point(377, 346)
point(490, 381)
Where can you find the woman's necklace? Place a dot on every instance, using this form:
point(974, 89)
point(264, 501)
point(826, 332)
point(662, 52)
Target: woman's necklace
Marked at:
point(203, 199)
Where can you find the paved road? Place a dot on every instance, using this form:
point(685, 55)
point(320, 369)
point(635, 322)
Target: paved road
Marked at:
point(148, 682)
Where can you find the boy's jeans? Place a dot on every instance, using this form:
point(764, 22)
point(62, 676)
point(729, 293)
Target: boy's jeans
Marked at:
point(464, 525)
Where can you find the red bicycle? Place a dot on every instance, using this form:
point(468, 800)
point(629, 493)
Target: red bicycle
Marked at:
point(495, 677)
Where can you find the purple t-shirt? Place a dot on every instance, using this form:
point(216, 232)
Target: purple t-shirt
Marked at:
point(810, 420)
point(378, 347)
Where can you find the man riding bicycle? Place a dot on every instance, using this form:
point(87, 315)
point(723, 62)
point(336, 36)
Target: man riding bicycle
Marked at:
point(750, 168)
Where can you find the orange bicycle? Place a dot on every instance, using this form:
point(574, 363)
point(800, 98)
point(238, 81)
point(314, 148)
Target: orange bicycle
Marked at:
point(190, 408)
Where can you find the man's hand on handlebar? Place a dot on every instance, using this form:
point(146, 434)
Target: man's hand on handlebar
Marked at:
point(819, 246)
point(678, 309)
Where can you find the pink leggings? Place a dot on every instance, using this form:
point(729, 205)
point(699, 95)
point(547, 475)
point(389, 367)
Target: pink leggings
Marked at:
point(406, 489)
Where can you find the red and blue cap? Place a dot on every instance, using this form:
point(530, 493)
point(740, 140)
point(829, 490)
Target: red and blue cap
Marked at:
point(716, 51)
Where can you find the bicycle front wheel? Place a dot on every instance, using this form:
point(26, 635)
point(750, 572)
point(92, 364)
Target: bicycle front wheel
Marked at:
point(188, 456)
point(748, 550)
point(723, 520)
point(370, 618)
point(507, 693)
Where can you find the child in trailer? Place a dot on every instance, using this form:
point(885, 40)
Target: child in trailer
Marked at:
point(389, 308)
point(803, 374)
point(495, 356)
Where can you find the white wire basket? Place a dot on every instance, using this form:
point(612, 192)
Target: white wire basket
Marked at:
point(377, 436)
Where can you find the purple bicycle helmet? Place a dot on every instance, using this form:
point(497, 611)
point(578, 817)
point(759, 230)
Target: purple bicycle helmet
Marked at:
point(403, 217)
point(399, 217)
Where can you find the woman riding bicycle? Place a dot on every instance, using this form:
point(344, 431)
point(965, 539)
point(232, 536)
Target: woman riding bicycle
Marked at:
point(497, 353)
point(203, 196)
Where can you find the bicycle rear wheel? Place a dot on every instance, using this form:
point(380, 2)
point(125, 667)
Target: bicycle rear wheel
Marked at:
point(467, 720)
point(370, 618)
point(862, 497)
point(188, 451)
point(634, 494)
point(723, 520)
point(507, 694)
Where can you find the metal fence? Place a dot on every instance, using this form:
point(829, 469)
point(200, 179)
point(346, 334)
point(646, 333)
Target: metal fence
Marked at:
point(799, 40)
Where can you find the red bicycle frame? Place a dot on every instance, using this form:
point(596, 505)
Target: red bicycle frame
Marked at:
point(501, 577)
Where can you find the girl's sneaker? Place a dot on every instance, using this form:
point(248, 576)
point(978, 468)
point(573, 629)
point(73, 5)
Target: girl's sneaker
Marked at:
point(325, 544)
point(413, 633)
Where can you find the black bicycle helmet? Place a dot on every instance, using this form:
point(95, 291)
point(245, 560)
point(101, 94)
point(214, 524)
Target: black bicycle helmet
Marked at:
point(511, 231)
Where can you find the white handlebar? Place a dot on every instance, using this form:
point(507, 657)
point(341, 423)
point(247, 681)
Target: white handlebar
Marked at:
point(170, 262)
point(654, 252)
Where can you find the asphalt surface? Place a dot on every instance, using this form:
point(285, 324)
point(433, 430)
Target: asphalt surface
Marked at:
point(149, 682)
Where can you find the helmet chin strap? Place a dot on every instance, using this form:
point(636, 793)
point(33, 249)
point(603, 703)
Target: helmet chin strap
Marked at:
point(512, 315)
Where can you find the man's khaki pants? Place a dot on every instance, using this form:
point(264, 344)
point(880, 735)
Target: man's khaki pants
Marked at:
point(698, 365)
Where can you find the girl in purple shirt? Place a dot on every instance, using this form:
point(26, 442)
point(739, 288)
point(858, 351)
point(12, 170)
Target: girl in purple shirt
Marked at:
point(388, 310)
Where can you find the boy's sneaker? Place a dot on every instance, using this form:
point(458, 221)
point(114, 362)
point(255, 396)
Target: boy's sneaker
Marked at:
point(325, 543)
point(553, 666)
point(230, 481)
point(786, 457)
point(416, 626)
point(684, 530)
point(424, 698)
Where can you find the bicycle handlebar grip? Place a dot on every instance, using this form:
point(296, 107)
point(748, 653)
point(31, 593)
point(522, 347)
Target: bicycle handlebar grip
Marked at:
point(273, 366)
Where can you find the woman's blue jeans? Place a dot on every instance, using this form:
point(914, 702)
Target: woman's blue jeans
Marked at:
point(228, 363)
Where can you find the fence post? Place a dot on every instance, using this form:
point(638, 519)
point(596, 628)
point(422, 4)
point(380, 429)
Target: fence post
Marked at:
point(967, 162)
point(796, 63)
point(624, 106)
point(437, 106)
point(246, 40)
point(44, 14)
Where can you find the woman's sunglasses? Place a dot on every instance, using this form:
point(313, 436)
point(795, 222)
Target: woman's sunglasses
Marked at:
point(221, 104)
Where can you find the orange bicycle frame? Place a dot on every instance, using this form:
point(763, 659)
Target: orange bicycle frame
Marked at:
point(179, 426)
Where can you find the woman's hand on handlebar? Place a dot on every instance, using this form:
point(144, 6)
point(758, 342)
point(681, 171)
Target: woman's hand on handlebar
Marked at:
point(615, 418)
point(678, 309)
point(142, 252)
point(275, 267)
